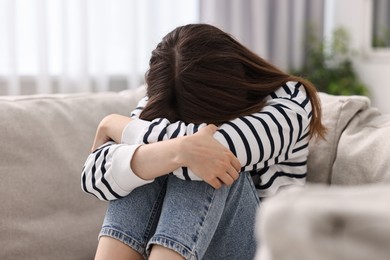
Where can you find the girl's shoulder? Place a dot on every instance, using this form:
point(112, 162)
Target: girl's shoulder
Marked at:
point(292, 91)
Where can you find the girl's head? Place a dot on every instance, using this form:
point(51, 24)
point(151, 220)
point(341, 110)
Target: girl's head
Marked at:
point(199, 73)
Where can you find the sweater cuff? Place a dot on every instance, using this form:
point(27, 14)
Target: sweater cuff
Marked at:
point(134, 131)
point(124, 176)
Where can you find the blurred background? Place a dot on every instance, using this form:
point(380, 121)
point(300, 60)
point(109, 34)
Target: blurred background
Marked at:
point(63, 46)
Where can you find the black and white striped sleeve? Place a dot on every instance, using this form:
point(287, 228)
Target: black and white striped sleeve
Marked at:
point(144, 132)
point(272, 142)
point(259, 140)
point(107, 174)
point(267, 137)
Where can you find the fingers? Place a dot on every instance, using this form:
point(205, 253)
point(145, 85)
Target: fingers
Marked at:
point(223, 179)
point(211, 129)
point(215, 183)
point(233, 160)
point(226, 179)
point(233, 173)
point(236, 164)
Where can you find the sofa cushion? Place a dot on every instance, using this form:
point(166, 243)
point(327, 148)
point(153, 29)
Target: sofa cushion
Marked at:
point(363, 152)
point(337, 112)
point(44, 141)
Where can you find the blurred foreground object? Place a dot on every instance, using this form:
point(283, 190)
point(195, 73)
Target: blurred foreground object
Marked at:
point(320, 223)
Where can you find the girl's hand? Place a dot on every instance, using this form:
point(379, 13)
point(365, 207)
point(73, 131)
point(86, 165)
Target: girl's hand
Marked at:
point(110, 129)
point(209, 159)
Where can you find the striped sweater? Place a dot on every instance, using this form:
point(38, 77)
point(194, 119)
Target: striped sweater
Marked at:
point(272, 144)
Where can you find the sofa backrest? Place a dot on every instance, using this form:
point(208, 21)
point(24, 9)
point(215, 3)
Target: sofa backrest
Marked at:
point(357, 145)
point(44, 142)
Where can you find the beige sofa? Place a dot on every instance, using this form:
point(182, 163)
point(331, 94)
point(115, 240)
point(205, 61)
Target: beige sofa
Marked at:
point(44, 214)
point(44, 142)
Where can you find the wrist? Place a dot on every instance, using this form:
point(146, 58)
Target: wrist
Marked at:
point(156, 159)
point(180, 151)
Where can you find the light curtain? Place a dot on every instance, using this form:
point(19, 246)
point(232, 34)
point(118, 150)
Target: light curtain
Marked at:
point(49, 46)
point(274, 29)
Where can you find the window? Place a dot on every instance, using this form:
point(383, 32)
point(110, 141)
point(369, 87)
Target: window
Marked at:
point(82, 45)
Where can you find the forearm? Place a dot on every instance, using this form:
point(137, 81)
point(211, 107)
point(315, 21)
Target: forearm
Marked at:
point(148, 161)
point(157, 159)
point(200, 152)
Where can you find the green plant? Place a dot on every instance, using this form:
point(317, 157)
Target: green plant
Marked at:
point(329, 65)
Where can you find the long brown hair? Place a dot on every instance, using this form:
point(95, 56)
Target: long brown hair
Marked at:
point(200, 74)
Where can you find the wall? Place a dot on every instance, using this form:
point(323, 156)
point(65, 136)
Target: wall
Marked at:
point(372, 66)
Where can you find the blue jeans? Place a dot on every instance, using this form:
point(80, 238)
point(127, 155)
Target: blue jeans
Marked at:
point(190, 217)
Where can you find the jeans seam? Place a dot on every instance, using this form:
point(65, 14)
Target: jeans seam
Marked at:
point(191, 252)
point(153, 214)
point(253, 188)
point(201, 229)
